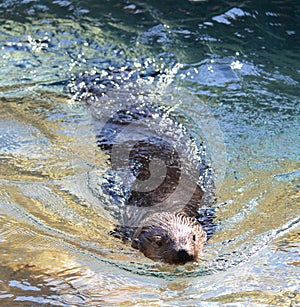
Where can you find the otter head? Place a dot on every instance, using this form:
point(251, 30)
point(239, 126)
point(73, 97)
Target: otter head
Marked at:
point(169, 237)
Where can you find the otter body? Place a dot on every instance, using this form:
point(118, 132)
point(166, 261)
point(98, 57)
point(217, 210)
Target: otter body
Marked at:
point(158, 167)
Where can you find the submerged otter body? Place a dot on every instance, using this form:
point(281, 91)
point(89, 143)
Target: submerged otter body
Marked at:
point(159, 179)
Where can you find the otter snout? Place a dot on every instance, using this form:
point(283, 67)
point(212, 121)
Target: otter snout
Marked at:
point(182, 256)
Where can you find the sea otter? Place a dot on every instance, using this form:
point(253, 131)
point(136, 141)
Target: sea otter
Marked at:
point(159, 180)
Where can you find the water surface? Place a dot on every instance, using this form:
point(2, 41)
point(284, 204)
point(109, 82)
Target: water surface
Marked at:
point(233, 80)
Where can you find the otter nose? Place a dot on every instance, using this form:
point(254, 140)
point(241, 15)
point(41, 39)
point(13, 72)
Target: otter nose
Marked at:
point(183, 256)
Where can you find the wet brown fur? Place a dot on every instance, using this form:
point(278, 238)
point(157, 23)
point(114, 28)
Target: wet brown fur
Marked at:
point(171, 237)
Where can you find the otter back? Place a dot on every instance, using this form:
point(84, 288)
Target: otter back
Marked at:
point(156, 166)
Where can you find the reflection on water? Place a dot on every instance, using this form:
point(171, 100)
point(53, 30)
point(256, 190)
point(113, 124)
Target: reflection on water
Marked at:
point(242, 61)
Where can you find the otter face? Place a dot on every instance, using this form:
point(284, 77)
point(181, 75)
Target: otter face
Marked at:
point(171, 238)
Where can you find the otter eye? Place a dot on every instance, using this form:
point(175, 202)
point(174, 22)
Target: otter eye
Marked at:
point(158, 241)
point(194, 237)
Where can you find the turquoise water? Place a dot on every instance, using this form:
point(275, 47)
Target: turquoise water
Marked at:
point(231, 76)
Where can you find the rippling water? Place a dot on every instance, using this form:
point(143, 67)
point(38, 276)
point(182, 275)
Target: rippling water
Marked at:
point(232, 77)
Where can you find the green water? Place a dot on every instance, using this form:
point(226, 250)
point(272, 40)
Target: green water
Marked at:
point(232, 77)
